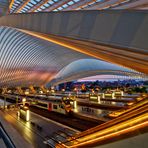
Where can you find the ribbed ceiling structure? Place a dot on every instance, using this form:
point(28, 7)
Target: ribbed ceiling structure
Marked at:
point(23, 6)
point(27, 60)
point(118, 37)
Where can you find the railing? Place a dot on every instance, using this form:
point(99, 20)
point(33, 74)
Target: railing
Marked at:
point(8, 142)
point(135, 119)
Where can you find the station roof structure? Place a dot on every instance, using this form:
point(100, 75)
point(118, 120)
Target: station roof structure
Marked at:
point(26, 6)
point(27, 60)
point(79, 69)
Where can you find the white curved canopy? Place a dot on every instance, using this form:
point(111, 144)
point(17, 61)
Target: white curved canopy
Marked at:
point(91, 67)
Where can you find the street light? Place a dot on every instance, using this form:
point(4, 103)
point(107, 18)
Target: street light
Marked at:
point(24, 100)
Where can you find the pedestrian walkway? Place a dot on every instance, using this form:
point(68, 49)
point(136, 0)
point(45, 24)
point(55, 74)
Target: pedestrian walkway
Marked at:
point(17, 139)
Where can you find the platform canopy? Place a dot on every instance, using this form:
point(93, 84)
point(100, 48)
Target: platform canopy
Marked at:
point(27, 60)
point(92, 67)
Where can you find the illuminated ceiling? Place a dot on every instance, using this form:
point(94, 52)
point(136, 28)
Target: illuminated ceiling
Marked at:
point(25, 6)
point(27, 60)
point(118, 37)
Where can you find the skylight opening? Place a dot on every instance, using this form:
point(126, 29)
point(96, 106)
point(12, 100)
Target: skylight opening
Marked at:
point(70, 3)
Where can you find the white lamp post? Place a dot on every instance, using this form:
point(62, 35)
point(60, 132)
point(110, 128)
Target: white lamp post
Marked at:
point(24, 100)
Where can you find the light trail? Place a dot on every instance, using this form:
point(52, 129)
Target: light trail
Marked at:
point(118, 126)
point(115, 130)
point(111, 135)
point(124, 117)
point(134, 107)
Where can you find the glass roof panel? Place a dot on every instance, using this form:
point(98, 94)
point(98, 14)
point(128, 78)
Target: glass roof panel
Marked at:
point(46, 5)
point(60, 8)
point(42, 7)
point(51, 2)
point(71, 2)
point(39, 9)
point(27, 7)
point(55, 10)
point(65, 6)
point(33, 2)
point(76, 0)
point(30, 4)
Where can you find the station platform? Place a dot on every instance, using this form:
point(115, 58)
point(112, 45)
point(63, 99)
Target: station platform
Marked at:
point(15, 136)
point(85, 102)
point(30, 130)
point(89, 117)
